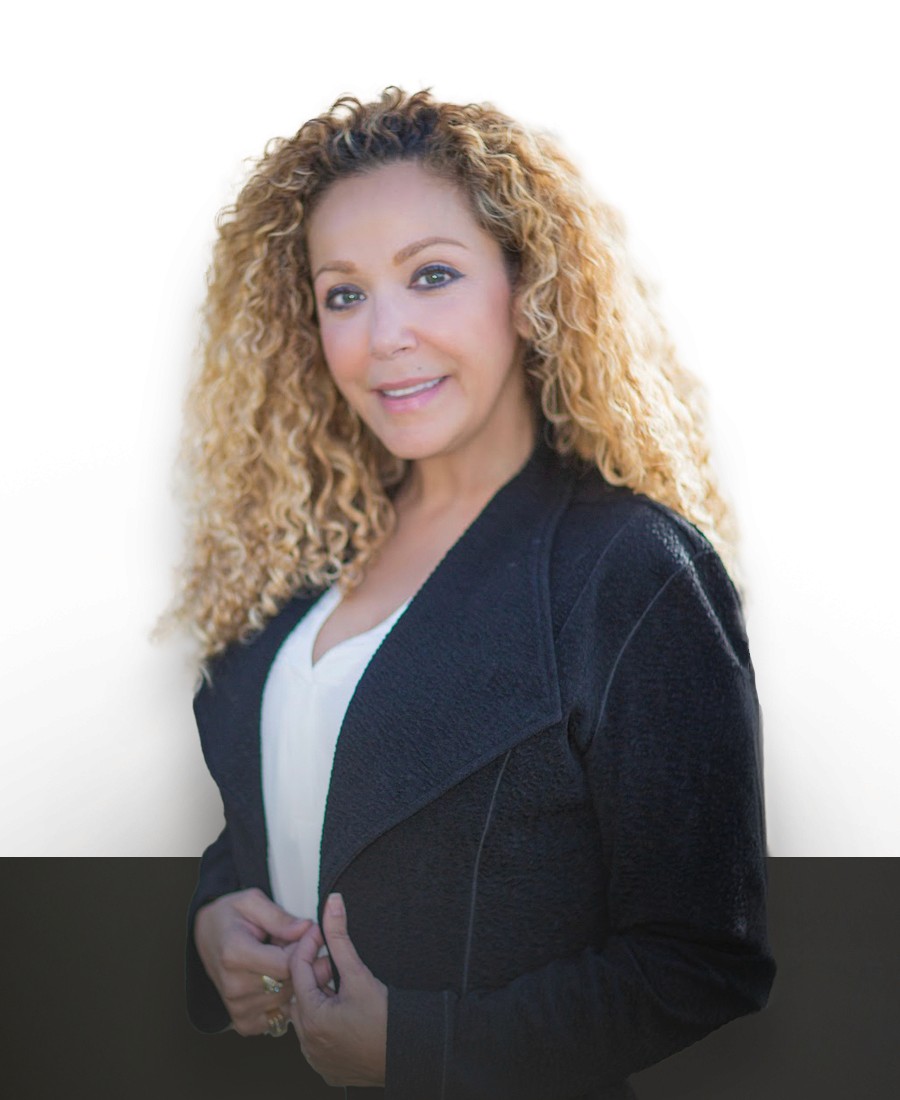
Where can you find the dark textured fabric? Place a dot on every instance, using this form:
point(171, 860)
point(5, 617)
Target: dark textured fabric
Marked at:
point(545, 812)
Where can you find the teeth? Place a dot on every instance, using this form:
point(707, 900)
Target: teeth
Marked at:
point(407, 390)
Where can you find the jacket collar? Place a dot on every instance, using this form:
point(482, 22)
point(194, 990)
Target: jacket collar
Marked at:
point(425, 713)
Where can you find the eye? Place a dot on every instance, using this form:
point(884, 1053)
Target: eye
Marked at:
point(343, 297)
point(434, 275)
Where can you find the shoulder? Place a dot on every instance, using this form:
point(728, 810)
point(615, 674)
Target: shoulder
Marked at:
point(616, 553)
point(637, 536)
point(238, 670)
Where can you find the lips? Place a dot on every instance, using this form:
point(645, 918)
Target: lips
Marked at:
point(408, 386)
point(407, 394)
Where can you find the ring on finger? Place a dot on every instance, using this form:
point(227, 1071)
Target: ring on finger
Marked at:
point(271, 985)
point(278, 1024)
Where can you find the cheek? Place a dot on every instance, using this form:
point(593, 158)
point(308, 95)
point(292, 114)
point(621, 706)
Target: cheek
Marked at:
point(342, 349)
point(479, 324)
point(495, 327)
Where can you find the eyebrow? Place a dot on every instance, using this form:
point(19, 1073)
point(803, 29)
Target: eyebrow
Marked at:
point(405, 253)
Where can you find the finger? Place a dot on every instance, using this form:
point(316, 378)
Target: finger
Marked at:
point(246, 954)
point(293, 1010)
point(340, 947)
point(281, 941)
point(324, 974)
point(267, 1002)
point(301, 961)
point(244, 990)
point(308, 946)
point(274, 1021)
point(250, 1015)
point(308, 997)
point(255, 906)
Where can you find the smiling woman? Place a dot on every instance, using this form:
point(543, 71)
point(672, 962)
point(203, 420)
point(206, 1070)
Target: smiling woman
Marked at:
point(418, 327)
point(477, 694)
point(419, 334)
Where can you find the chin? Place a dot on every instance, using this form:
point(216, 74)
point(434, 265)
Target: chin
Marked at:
point(413, 452)
point(414, 447)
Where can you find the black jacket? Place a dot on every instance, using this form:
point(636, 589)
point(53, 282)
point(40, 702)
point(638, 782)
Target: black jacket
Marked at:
point(545, 812)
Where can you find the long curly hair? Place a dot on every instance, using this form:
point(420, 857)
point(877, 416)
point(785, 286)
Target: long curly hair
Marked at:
point(289, 489)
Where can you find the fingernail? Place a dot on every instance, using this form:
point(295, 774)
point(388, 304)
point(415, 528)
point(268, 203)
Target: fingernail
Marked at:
point(336, 905)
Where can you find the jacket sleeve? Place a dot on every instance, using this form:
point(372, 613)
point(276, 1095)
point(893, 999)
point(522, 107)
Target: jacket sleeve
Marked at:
point(673, 762)
point(206, 1009)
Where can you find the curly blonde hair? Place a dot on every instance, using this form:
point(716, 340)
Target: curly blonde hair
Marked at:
point(290, 489)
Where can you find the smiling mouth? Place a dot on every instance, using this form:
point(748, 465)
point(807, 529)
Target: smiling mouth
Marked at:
point(406, 391)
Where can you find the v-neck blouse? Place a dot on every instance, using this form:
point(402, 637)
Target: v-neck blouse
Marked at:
point(303, 708)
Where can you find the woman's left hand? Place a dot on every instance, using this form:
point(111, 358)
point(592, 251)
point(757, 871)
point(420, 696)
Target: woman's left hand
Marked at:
point(343, 1035)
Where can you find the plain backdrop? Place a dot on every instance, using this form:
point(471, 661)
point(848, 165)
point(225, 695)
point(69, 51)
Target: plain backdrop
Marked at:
point(753, 151)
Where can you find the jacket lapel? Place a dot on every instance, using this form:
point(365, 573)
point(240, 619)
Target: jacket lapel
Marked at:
point(228, 719)
point(467, 671)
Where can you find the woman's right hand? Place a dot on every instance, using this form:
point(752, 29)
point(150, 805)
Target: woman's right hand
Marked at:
point(231, 935)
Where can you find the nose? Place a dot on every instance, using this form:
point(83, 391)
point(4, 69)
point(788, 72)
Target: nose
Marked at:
point(390, 332)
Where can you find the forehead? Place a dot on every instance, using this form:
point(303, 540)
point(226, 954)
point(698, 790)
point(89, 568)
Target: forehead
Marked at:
point(386, 208)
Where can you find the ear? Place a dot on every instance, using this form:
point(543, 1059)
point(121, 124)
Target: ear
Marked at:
point(520, 322)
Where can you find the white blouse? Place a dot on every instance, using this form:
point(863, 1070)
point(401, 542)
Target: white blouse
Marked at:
point(303, 707)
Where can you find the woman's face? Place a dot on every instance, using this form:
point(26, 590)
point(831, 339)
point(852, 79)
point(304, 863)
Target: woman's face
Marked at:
point(416, 314)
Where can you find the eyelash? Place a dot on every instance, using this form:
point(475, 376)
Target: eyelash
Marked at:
point(337, 292)
point(430, 269)
point(437, 269)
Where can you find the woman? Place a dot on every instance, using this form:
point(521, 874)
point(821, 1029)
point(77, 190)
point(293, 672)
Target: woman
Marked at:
point(454, 503)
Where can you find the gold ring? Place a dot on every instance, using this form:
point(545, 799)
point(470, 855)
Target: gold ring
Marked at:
point(271, 985)
point(278, 1024)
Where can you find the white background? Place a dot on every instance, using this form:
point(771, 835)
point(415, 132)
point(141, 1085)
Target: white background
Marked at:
point(753, 151)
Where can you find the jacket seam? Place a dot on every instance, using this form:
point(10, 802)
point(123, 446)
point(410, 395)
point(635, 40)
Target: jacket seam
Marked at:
point(636, 627)
point(590, 578)
point(545, 544)
point(475, 870)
